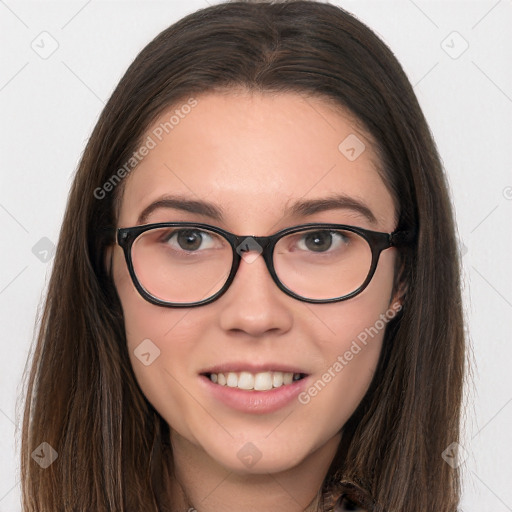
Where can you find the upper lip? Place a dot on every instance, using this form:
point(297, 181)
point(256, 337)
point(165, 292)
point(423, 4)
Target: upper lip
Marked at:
point(236, 367)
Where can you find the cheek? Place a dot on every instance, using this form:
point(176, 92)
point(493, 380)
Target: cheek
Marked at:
point(344, 321)
point(160, 343)
point(349, 337)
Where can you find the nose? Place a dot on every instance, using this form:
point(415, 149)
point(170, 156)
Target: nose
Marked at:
point(253, 303)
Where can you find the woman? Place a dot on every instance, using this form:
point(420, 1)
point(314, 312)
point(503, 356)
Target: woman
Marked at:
point(255, 298)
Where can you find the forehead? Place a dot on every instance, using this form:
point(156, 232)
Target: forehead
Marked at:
point(253, 154)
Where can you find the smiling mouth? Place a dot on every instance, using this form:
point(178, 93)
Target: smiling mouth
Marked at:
point(262, 381)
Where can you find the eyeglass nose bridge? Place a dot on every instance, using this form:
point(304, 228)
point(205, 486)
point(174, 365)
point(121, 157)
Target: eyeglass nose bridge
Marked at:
point(262, 245)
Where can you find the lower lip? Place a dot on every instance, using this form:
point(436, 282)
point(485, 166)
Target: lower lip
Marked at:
point(256, 402)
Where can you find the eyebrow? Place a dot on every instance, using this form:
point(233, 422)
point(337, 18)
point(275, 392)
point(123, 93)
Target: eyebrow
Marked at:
point(299, 208)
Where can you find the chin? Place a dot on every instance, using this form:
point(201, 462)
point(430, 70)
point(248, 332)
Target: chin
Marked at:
point(259, 457)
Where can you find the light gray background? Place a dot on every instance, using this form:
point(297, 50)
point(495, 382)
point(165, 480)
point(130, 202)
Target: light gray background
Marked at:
point(50, 105)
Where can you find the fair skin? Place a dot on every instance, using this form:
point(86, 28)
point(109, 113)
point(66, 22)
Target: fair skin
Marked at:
point(252, 155)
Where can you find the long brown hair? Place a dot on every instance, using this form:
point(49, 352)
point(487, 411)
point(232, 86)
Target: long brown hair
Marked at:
point(82, 397)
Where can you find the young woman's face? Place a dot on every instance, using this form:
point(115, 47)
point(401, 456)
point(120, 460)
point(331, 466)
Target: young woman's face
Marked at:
point(253, 157)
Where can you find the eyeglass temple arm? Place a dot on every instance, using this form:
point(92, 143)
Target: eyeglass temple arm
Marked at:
point(401, 238)
point(109, 234)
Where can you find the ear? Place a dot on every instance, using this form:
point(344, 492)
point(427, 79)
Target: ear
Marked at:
point(400, 287)
point(398, 296)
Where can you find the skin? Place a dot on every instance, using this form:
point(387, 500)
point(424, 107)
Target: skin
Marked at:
point(253, 154)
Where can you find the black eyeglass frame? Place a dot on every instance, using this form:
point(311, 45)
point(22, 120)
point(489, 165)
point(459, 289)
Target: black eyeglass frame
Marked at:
point(378, 242)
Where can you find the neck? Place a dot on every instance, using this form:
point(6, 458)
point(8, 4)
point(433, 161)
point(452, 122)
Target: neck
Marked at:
point(200, 484)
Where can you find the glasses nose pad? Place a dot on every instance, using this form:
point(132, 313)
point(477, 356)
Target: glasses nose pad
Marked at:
point(249, 249)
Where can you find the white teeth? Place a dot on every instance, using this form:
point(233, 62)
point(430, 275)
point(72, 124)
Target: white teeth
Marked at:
point(232, 380)
point(245, 380)
point(262, 381)
point(277, 379)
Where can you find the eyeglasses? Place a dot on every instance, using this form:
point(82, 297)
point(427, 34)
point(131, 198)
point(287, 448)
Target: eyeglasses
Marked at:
point(185, 264)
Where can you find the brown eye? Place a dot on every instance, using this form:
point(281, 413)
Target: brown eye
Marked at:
point(189, 240)
point(322, 241)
